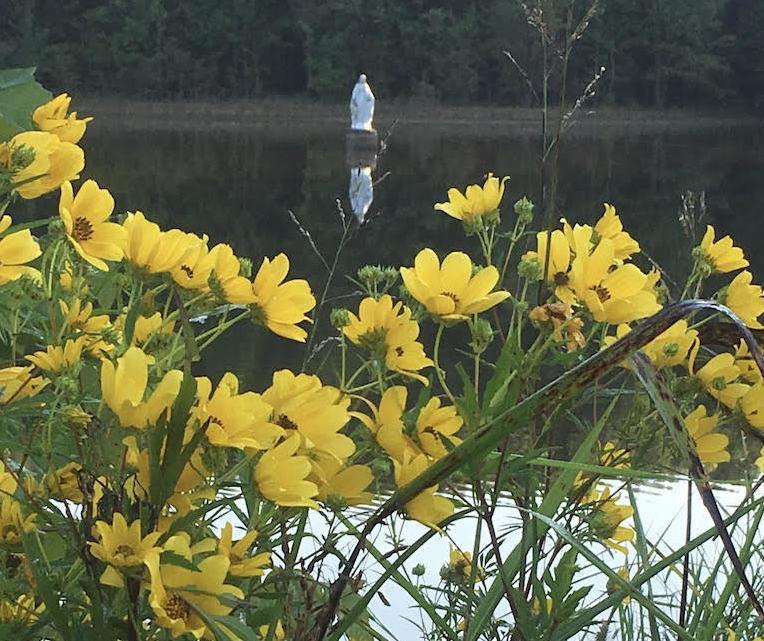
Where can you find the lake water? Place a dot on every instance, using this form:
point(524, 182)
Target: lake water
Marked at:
point(237, 186)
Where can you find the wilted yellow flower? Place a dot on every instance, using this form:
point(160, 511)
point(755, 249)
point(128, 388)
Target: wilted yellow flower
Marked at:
point(316, 412)
point(722, 256)
point(280, 305)
point(18, 382)
point(53, 117)
point(558, 270)
point(179, 593)
point(16, 250)
point(85, 218)
point(719, 376)
point(53, 163)
point(610, 226)
point(389, 332)
point(612, 295)
point(710, 445)
point(237, 553)
point(427, 507)
point(233, 419)
point(477, 202)
point(13, 524)
point(281, 475)
point(336, 480)
point(607, 517)
point(56, 358)
point(450, 291)
point(22, 610)
point(565, 326)
point(121, 546)
point(745, 300)
point(123, 388)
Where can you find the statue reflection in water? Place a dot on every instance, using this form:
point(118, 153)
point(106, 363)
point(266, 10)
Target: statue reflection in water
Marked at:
point(361, 192)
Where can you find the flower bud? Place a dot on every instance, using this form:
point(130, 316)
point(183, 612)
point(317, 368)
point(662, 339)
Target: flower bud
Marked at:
point(524, 210)
point(339, 317)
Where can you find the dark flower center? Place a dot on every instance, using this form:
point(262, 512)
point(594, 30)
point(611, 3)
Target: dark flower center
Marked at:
point(83, 229)
point(602, 293)
point(188, 271)
point(177, 607)
point(284, 421)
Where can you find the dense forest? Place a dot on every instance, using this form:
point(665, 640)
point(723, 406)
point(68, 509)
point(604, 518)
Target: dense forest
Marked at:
point(688, 53)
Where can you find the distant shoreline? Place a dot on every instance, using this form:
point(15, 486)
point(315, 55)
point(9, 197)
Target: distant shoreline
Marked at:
point(112, 113)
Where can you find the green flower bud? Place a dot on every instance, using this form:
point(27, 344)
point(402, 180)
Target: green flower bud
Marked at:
point(418, 570)
point(339, 317)
point(245, 267)
point(703, 262)
point(482, 335)
point(530, 269)
point(524, 210)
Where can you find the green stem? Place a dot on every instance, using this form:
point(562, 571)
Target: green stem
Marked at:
point(438, 371)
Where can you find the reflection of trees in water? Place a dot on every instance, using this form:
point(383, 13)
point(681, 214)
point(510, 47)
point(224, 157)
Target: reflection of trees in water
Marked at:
point(237, 187)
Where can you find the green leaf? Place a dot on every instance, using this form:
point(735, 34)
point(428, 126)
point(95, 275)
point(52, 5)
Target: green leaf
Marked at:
point(20, 95)
point(238, 627)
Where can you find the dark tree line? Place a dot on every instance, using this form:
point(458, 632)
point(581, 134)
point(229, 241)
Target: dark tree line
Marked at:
point(656, 52)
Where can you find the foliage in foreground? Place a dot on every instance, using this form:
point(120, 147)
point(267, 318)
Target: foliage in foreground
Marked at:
point(142, 502)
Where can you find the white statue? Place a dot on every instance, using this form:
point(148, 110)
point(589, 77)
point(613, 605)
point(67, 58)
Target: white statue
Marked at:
point(361, 191)
point(361, 105)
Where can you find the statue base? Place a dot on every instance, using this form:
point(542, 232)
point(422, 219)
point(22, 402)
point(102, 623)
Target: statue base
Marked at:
point(361, 147)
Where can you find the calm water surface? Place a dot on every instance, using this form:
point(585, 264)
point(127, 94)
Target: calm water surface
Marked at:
point(238, 186)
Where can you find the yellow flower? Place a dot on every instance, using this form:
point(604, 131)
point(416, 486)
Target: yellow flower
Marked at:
point(749, 370)
point(667, 350)
point(22, 610)
point(123, 388)
point(559, 263)
point(607, 517)
point(335, 480)
point(64, 483)
point(386, 423)
point(148, 326)
point(54, 162)
point(612, 295)
point(316, 412)
point(477, 202)
point(437, 425)
point(722, 256)
point(760, 460)
point(237, 553)
point(85, 218)
point(609, 226)
point(56, 358)
point(195, 268)
point(149, 248)
point(389, 332)
point(450, 291)
point(232, 286)
point(79, 319)
point(13, 524)
point(279, 634)
point(460, 565)
point(613, 456)
point(280, 475)
point(278, 304)
point(52, 117)
point(121, 545)
point(233, 419)
point(710, 445)
point(427, 507)
point(8, 482)
point(18, 382)
point(719, 377)
point(179, 593)
point(752, 405)
point(16, 250)
point(745, 300)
